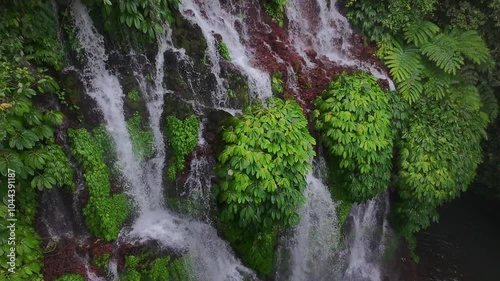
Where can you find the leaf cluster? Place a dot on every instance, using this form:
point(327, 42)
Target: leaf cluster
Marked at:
point(27, 132)
point(277, 83)
point(263, 166)
point(182, 137)
point(104, 213)
point(146, 16)
point(223, 50)
point(276, 10)
point(70, 277)
point(354, 115)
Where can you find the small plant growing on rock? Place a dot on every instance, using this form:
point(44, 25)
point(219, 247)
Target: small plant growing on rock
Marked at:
point(182, 137)
point(223, 50)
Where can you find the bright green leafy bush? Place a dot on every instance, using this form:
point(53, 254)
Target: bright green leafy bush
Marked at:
point(439, 153)
point(101, 261)
point(133, 96)
point(354, 115)
point(70, 277)
point(142, 139)
point(104, 213)
point(182, 137)
point(263, 166)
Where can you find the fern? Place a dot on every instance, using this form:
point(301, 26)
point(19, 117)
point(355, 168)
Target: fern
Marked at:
point(403, 62)
point(471, 45)
point(438, 82)
point(412, 87)
point(444, 51)
point(420, 32)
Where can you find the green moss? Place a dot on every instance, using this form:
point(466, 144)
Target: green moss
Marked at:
point(134, 96)
point(223, 50)
point(142, 138)
point(104, 214)
point(276, 10)
point(101, 261)
point(343, 209)
point(182, 137)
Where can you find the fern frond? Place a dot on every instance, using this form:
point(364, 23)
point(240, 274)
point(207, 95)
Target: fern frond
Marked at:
point(444, 51)
point(438, 82)
point(471, 45)
point(403, 62)
point(420, 32)
point(488, 100)
point(411, 88)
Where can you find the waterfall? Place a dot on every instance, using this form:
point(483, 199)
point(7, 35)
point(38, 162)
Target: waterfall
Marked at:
point(370, 231)
point(314, 244)
point(212, 258)
point(321, 27)
point(214, 21)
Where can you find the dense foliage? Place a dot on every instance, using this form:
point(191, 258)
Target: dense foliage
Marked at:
point(263, 166)
point(182, 137)
point(354, 115)
point(223, 50)
point(104, 213)
point(142, 138)
point(145, 16)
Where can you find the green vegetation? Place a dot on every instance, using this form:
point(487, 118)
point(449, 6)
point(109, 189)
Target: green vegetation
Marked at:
point(182, 137)
point(70, 277)
point(256, 249)
point(142, 138)
point(101, 261)
point(144, 16)
point(277, 83)
point(354, 115)
point(223, 50)
point(134, 96)
point(276, 10)
point(104, 213)
point(263, 166)
point(139, 268)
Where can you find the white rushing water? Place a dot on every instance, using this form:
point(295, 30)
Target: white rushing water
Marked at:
point(213, 19)
point(314, 245)
point(211, 256)
point(315, 25)
point(370, 231)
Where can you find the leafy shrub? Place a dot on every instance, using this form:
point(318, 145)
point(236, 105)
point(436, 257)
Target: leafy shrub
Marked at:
point(263, 166)
point(439, 153)
point(101, 261)
point(70, 277)
point(182, 137)
point(142, 139)
point(104, 214)
point(223, 50)
point(355, 117)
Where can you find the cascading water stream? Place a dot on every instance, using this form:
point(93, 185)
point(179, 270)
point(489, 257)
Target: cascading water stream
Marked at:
point(211, 256)
point(315, 240)
point(315, 25)
point(213, 19)
point(370, 231)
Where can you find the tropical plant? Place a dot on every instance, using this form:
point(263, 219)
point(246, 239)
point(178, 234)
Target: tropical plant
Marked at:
point(145, 16)
point(182, 137)
point(354, 115)
point(159, 269)
point(277, 82)
point(263, 166)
